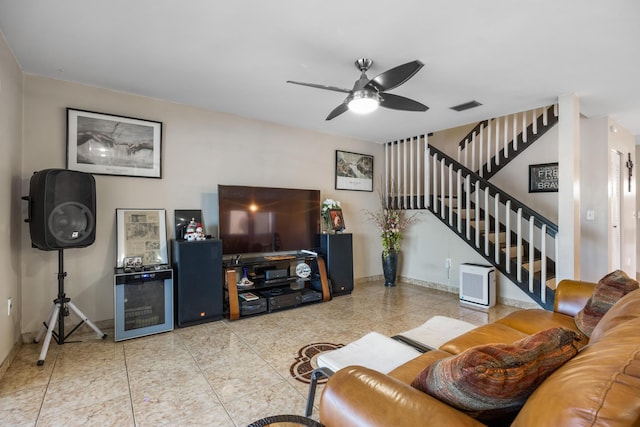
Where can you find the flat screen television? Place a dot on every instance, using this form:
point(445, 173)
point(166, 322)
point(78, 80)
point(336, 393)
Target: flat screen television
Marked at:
point(263, 220)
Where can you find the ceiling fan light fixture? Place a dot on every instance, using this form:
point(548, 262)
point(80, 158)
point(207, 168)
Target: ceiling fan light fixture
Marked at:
point(363, 101)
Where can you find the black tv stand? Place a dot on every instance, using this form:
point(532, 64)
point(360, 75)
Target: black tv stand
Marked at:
point(234, 268)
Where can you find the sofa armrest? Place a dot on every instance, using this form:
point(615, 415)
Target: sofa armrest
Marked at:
point(357, 396)
point(571, 296)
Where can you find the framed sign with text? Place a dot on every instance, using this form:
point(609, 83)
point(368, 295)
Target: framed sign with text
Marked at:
point(543, 178)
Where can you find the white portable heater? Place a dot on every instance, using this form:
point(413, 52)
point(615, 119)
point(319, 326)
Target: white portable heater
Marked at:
point(477, 285)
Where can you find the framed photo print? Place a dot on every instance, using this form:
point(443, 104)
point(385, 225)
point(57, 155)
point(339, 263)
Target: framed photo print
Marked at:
point(337, 220)
point(354, 171)
point(182, 218)
point(543, 178)
point(106, 144)
point(142, 233)
point(132, 263)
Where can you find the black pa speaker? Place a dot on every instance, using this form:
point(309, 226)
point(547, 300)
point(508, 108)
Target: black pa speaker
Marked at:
point(62, 209)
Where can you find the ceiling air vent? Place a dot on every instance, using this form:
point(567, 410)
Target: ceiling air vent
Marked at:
point(466, 106)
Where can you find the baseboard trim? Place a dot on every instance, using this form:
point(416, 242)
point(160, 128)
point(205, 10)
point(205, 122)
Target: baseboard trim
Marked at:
point(28, 337)
point(451, 289)
point(10, 358)
point(430, 285)
point(369, 279)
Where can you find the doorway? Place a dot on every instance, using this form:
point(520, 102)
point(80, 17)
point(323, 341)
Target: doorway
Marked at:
point(615, 202)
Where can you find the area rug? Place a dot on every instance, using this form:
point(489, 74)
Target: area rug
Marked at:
point(307, 361)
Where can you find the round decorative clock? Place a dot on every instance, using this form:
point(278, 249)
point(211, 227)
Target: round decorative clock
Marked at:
point(303, 270)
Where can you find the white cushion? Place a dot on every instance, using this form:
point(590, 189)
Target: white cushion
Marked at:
point(374, 351)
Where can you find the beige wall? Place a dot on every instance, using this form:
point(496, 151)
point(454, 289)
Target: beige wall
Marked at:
point(10, 192)
point(200, 150)
point(594, 177)
point(596, 144)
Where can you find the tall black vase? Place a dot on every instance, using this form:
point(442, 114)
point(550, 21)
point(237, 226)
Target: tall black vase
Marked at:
point(390, 268)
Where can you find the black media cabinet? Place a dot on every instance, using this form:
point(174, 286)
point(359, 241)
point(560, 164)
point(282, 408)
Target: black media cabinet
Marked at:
point(275, 284)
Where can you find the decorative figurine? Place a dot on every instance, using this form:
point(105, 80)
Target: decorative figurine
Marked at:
point(245, 279)
point(190, 234)
point(200, 233)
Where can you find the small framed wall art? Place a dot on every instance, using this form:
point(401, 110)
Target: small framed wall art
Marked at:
point(106, 144)
point(337, 220)
point(354, 171)
point(543, 178)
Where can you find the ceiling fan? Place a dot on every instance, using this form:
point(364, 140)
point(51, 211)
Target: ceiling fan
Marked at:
point(367, 94)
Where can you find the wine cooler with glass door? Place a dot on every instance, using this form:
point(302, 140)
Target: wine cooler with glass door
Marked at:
point(143, 302)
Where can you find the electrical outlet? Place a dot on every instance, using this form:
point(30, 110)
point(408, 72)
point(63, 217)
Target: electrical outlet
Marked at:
point(447, 263)
point(9, 306)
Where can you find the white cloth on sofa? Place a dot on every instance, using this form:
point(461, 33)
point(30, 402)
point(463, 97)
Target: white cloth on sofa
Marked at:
point(374, 351)
point(384, 354)
point(437, 331)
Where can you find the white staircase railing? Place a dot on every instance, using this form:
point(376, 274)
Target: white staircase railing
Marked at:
point(510, 235)
point(493, 141)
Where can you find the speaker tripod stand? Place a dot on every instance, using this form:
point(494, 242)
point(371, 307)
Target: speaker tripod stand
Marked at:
point(59, 311)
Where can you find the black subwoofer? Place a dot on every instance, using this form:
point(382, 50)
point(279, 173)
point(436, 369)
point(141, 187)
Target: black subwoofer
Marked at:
point(62, 209)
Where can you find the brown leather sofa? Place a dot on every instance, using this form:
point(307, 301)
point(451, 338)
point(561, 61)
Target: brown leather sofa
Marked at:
point(600, 386)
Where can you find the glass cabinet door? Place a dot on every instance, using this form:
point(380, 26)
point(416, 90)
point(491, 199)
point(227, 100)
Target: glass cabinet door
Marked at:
point(143, 303)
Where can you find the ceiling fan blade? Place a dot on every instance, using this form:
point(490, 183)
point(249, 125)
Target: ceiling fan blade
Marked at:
point(337, 111)
point(333, 88)
point(396, 76)
point(396, 102)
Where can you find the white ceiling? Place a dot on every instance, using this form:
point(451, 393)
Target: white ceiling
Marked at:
point(236, 56)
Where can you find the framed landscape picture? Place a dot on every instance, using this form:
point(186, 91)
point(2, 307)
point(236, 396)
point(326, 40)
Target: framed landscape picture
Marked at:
point(354, 171)
point(106, 144)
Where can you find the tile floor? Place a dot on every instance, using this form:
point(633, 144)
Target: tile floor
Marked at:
point(216, 374)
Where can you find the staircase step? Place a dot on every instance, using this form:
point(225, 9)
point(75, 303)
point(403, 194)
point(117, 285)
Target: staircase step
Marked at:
point(502, 235)
point(463, 213)
point(513, 251)
point(551, 282)
point(472, 214)
point(481, 226)
point(537, 266)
